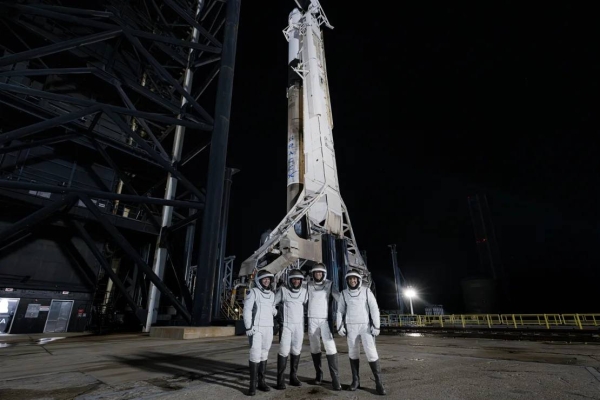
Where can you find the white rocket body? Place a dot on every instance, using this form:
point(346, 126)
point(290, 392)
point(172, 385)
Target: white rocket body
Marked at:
point(315, 205)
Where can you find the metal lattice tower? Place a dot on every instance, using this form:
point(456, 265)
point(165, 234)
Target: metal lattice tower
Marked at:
point(114, 127)
point(487, 244)
point(485, 238)
point(398, 279)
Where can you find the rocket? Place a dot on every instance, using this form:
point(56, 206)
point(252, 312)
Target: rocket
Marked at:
point(314, 204)
point(295, 163)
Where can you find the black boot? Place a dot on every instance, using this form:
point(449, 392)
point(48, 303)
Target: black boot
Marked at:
point(317, 362)
point(376, 368)
point(294, 360)
point(332, 360)
point(281, 365)
point(355, 377)
point(262, 369)
point(253, 373)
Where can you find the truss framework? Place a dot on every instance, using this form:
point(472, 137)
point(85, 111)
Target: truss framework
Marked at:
point(108, 76)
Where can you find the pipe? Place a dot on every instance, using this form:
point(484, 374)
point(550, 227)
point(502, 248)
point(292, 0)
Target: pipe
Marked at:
point(160, 255)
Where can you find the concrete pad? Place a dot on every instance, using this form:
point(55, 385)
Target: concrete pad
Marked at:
point(189, 332)
point(419, 367)
point(64, 386)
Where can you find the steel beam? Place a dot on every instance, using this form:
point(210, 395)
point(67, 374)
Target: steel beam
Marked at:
point(48, 71)
point(180, 279)
point(225, 215)
point(97, 194)
point(144, 145)
point(223, 239)
point(188, 249)
point(397, 278)
point(208, 80)
point(140, 313)
point(184, 222)
point(58, 47)
point(207, 259)
point(17, 103)
point(118, 110)
point(142, 122)
point(166, 76)
point(122, 242)
point(79, 261)
point(160, 255)
point(48, 124)
point(38, 216)
point(206, 61)
point(60, 16)
point(36, 143)
point(62, 29)
point(77, 11)
point(171, 53)
point(124, 178)
point(177, 42)
point(190, 156)
point(187, 18)
point(161, 101)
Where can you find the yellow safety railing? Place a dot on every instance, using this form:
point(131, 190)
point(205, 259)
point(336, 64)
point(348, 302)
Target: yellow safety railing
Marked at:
point(515, 321)
point(230, 308)
point(231, 313)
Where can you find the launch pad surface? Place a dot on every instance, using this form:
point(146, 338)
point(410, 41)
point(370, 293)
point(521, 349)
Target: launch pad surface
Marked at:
point(136, 366)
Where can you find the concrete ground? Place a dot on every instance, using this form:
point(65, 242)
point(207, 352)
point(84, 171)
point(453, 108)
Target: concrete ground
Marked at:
point(135, 366)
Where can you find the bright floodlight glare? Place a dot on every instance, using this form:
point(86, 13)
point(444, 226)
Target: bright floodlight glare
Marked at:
point(3, 306)
point(410, 292)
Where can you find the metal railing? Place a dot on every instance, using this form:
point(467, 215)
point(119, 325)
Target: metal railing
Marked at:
point(514, 321)
point(231, 309)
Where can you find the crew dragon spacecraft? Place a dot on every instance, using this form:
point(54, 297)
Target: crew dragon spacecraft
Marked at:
point(317, 226)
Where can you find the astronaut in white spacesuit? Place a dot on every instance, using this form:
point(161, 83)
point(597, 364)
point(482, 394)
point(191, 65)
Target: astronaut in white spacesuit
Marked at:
point(358, 318)
point(319, 292)
point(259, 310)
point(293, 297)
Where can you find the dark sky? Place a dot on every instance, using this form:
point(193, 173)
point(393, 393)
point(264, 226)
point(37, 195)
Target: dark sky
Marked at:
point(432, 103)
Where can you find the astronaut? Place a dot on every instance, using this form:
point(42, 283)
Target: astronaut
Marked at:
point(319, 292)
point(259, 310)
point(355, 306)
point(293, 297)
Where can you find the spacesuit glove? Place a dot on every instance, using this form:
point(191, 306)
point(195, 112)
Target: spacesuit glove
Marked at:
point(375, 331)
point(342, 331)
point(251, 331)
point(274, 311)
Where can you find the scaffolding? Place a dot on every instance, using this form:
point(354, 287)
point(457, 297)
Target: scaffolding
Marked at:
point(114, 129)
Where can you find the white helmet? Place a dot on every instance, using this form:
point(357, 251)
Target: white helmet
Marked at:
point(356, 274)
point(260, 276)
point(319, 268)
point(295, 274)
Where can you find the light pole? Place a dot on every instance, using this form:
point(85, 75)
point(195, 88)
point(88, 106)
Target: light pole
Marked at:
point(410, 293)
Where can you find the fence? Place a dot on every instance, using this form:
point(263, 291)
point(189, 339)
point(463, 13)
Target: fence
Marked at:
point(514, 321)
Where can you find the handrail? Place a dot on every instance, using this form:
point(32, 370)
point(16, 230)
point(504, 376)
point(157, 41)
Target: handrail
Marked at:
point(514, 321)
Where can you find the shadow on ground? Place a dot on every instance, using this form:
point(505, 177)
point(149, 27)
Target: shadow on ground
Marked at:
point(234, 376)
point(226, 374)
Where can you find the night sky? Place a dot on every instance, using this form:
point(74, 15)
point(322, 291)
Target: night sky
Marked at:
point(433, 103)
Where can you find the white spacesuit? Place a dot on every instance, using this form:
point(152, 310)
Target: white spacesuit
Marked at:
point(259, 309)
point(356, 305)
point(319, 292)
point(293, 296)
